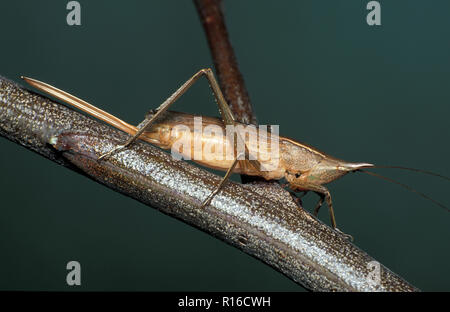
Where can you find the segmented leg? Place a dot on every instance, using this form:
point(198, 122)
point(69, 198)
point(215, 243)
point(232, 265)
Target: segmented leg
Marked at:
point(207, 201)
point(324, 194)
point(319, 204)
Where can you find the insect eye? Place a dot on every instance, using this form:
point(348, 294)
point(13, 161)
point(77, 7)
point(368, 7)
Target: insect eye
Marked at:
point(297, 175)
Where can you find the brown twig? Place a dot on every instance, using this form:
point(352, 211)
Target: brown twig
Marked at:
point(227, 69)
point(256, 218)
point(230, 78)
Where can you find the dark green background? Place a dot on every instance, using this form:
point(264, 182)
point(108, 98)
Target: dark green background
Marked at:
point(375, 94)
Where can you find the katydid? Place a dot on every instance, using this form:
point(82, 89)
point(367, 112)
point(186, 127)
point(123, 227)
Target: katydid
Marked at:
point(304, 167)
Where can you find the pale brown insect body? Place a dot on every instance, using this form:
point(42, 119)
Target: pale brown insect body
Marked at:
point(298, 162)
point(304, 167)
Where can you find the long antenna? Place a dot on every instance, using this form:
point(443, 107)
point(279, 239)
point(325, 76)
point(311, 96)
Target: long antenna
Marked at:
point(406, 187)
point(415, 170)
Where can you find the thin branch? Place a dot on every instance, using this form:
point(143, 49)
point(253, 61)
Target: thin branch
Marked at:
point(227, 69)
point(230, 78)
point(259, 219)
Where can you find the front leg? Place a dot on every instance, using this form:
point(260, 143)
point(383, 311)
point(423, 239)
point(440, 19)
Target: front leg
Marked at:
point(324, 194)
point(321, 190)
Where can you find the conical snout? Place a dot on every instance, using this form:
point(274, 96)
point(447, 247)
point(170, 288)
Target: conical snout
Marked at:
point(356, 166)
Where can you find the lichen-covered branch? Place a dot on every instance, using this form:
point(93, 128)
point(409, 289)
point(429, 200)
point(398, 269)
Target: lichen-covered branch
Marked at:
point(259, 219)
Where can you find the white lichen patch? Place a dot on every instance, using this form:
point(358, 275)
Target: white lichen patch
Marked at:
point(53, 140)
